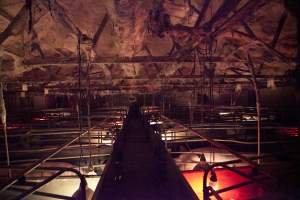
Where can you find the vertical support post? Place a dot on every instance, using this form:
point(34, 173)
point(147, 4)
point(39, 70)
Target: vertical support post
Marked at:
point(258, 105)
point(191, 114)
point(88, 102)
point(163, 104)
point(3, 119)
point(297, 74)
point(166, 144)
point(144, 99)
point(153, 99)
point(79, 95)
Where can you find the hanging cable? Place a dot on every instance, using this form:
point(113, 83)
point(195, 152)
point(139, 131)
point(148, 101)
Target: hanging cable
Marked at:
point(88, 96)
point(79, 97)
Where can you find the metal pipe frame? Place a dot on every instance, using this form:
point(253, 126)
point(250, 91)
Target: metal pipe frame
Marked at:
point(214, 143)
point(29, 169)
point(62, 170)
point(49, 134)
point(208, 190)
point(58, 158)
point(32, 167)
point(44, 194)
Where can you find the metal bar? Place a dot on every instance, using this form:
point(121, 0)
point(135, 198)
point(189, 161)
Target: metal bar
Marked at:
point(45, 149)
point(221, 140)
point(100, 29)
point(6, 15)
point(36, 187)
point(136, 59)
point(60, 15)
point(44, 194)
point(224, 164)
point(32, 167)
point(283, 57)
point(216, 144)
point(258, 107)
point(21, 16)
point(279, 28)
point(206, 171)
point(61, 171)
point(239, 15)
point(3, 120)
point(58, 158)
point(79, 107)
point(234, 187)
point(88, 102)
point(213, 192)
point(248, 29)
point(202, 13)
point(242, 174)
point(222, 12)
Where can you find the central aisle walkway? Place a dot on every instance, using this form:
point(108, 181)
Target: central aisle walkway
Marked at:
point(140, 168)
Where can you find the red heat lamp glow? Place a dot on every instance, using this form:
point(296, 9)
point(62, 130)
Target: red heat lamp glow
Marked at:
point(14, 126)
point(225, 178)
point(11, 126)
point(292, 132)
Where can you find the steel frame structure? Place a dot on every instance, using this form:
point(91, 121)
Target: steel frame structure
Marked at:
point(208, 191)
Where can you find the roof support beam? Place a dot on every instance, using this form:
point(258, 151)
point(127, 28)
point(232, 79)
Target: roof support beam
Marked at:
point(249, 30)
point(240, 15)
point(222, 12)
point(6, 15)
point(269, 47)
point(100, 29)
point(60, 14)
point(136, 59)
point(18, 21)
point(150, 54)
point(279, 29)
point(202, 13)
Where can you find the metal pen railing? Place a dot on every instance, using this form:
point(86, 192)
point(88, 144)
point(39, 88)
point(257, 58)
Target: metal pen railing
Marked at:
point(209, 191)
point(61, 170)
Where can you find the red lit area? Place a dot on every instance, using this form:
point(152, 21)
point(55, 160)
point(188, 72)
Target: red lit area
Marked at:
point(40, 118)
point(291, 132)
point(225, 178)
point(12, 126)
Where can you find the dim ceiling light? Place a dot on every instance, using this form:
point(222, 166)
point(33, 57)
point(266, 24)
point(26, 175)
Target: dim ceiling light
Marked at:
point(24, 87)
point(238, 88)
point(46, 91)
point(271, 83)
point(224, 113)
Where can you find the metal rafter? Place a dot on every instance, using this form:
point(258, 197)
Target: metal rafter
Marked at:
point(240, 15)
point(59, 13)
point(202, 13)
point(100, 29)
point(279, 29)
point(226, 7)
point(15, 23)
point(136, 59)
point(6, 15)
